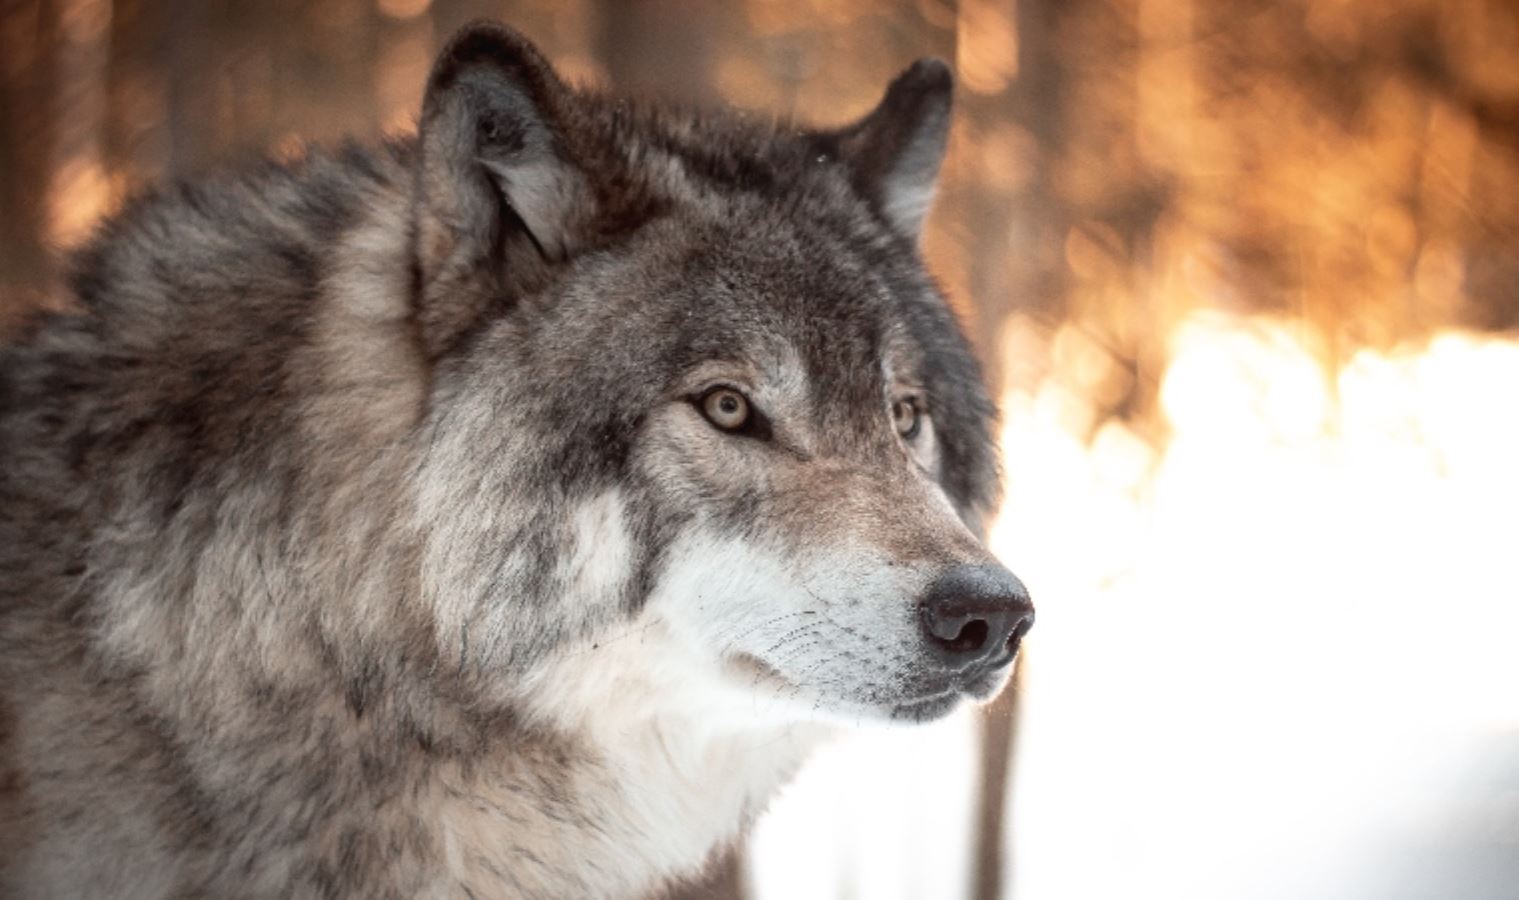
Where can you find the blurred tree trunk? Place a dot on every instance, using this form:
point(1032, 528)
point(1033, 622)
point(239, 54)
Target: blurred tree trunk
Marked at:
point(318, 71)
point(664, 47)
point(136, 141)
point(27, 36)
point(191, 95)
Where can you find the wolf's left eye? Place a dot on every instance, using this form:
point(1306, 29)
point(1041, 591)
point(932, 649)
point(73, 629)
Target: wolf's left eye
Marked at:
point(726, 408)
point(905, 415)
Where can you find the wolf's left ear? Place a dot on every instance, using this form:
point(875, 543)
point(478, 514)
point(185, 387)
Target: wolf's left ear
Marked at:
point(895, 151)
point(498, 199)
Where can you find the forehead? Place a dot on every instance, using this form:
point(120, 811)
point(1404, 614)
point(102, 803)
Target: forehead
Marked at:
point(790, 293)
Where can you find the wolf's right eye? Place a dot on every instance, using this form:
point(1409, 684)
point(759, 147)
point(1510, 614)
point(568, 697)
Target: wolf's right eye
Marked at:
point(726, 408)
point(907, 417)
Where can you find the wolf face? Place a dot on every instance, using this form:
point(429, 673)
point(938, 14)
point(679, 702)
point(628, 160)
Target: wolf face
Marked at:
point(708, 352)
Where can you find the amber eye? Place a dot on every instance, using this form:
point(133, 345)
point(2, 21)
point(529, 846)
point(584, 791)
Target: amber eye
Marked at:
point(904, 414)
point(725, 408)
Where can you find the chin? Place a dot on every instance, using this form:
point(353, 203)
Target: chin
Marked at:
point(924, 706)
point(838, 711)
point(927, 709)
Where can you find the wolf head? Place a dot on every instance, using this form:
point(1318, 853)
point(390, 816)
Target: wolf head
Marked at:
point(701, 426)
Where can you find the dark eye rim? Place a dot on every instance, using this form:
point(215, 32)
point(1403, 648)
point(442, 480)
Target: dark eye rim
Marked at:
point(756, 426)
point(916, 405)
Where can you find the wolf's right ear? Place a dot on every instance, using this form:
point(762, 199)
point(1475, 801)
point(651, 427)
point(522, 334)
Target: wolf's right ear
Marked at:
point(498, 200)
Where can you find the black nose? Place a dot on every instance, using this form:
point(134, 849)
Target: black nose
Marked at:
point(974, 616)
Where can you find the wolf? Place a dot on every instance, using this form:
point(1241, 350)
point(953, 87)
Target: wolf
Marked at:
point(502, 511)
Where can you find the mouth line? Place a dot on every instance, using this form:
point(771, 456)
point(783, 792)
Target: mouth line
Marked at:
point(929, 698)
point(752, 665)
point(921, 708)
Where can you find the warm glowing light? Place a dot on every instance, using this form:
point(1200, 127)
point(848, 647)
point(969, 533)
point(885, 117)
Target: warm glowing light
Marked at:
point(403, 9)
point(400, 73)
point(80, 190)
point(85, 22)
point(1259, 642)
point(986, 54)
point(81, 194)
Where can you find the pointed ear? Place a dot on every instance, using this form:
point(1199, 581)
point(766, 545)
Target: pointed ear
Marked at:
point(498, 201)
point(895, 151)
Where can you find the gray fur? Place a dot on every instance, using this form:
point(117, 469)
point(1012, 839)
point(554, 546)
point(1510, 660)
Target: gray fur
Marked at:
point(333, 520)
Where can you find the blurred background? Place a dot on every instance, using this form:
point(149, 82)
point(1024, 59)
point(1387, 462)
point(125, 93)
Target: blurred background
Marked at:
point(1246, 277)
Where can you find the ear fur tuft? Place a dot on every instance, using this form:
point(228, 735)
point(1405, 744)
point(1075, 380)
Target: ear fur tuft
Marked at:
point(895, 151)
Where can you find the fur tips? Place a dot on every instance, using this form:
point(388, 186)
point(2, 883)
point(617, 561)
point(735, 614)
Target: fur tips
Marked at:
point(496, 195)
point(895, 151)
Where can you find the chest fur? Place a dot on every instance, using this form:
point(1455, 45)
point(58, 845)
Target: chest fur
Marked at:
point(614, 822)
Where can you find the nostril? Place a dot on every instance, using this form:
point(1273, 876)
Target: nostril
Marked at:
point(971, 638)
point(957, 634)
point(1019, 630)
